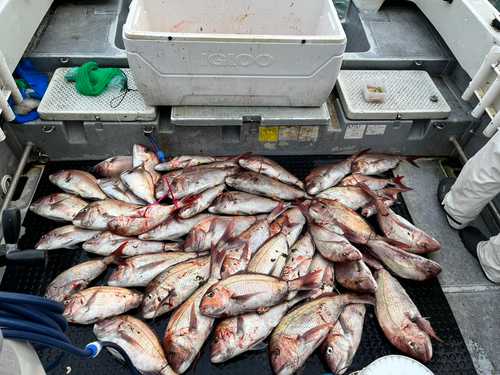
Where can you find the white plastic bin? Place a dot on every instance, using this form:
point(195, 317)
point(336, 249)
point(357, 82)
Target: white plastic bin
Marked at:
point(234, 52)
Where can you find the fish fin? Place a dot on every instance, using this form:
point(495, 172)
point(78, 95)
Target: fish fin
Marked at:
point(243, 155)
point(227, 236)
point(359, 153)
point(245, 297)
point(213, 225)
point(216, 259)
point(187, 200)
point(258, 346)
point(171, 294)
point(304, 210)
point(116, 256)
point(310, 281)
point(315, 333)
point(410, 160)
point(366, 189)
point(245, 252)
point(425, 326)
point(278, 210)
point(71, 247)
point(193, 321)
point(239, 325)
point(302, 295)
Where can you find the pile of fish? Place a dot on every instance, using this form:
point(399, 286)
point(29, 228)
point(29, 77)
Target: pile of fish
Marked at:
point(244, 246)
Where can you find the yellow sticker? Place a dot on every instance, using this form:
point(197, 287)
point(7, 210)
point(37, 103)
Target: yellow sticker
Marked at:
point(268, 133)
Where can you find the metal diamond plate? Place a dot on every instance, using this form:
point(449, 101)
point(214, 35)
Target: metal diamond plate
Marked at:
point(63, 102)
point(409, 95)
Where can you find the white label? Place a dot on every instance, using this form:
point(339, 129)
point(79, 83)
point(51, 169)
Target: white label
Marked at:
point(354, 132)
point(375, 130)
point(288, 133)
point(308, 133)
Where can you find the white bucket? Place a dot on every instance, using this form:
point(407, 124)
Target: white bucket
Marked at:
point(394, 365)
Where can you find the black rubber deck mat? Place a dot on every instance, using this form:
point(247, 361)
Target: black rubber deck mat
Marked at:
point(450, 356)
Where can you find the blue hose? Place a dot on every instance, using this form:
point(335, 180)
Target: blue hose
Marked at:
point(39, 320)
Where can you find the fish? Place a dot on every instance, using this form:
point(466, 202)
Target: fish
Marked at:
point(173, 286)
point(161, 187)
point(210, 229)
point(202, 203)
point(333, 246)
point(303, 329)
point(187, 328)
point(369, 209)
point(326, 176)
point(172, 229)
point(137, 340)
point(143, 156)
point(355, 276)
point(183, 161)
point(369, 164)
point(242, 293)
point(238, 334)
point(242, 249)
point(114, 166)
point(106, 242)
point(79, 277)
point(299, 260)
point(79, 183)
point(373, 183)
point(64, 238)
point(400, 319)
point(198, 181)
point(398, 228)
point(270, 168)
point(140, 182)
point(402, 263)
point(271, 257)
point(355, 197)
point(327, 274)
point(114, 188)
point(240, 203)
point(297, 221)
point(58, 206)
point(256, 183)
point(100, 302)
point(146, 218)
point(96, 215)
point(140, 270)
point(343, 340)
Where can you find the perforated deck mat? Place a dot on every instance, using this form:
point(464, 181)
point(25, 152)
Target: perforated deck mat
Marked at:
point(450, 356)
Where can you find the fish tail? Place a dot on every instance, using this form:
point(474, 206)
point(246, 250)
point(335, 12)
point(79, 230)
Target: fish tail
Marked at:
point(410, 160)
point(227, 236)
point(116, 256)
point(396, 181)
point(310, 281)
point(280, 208)
point(304, 210)
point(425, 326)
point(216, 259)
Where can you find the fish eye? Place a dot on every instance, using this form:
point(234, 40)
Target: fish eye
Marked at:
point(66, 302)
point(345, 253)
point(410, 344)
point(43, 236)
point(96, 235)
point(323, 205)
point(425, 245)
point(117, 226)
point(84, 209)
point(171, 352)
point(46, 295)
point(215, 340)
point(276, 352)
point(150, 296)
point(210, 294)
point(329, 350)
point(428, 269)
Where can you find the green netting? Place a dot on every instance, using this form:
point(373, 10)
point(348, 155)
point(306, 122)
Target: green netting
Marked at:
point(92, 80)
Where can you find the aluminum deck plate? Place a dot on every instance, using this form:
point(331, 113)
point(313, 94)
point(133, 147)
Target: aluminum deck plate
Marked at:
point(451, 356)
point(411, 95)
point(267, 116)
point(62, 102)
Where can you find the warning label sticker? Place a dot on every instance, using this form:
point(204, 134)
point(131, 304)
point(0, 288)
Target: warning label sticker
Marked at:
point(354, 131)
point(268, 133)
point(288, 133)
point(308, 133)
point(375, 130)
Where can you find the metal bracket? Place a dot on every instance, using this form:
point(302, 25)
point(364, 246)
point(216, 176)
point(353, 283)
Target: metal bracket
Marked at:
point(146, 130)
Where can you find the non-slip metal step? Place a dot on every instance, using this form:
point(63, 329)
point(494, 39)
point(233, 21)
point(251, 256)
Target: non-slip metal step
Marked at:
point(451, 356)
point(411, 95)
point(62, 102)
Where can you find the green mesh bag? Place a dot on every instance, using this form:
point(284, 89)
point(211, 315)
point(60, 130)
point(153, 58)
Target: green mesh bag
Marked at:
point(92, 80)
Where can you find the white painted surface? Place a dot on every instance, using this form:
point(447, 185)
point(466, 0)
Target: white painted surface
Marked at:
point(19, 20)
